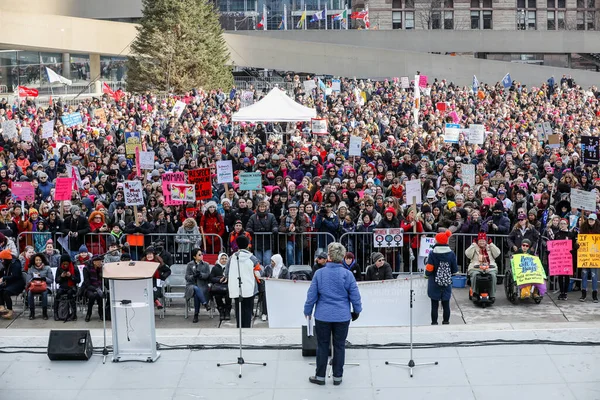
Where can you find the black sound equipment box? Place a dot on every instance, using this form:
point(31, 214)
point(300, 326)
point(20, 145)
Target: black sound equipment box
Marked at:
point(70, 345)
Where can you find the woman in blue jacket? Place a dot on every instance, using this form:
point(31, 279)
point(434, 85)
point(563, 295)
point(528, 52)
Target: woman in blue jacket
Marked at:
point(441, 264)
point(332, 290)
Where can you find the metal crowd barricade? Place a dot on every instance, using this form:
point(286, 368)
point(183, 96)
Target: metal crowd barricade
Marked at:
point(37, 240)
point(295, 249)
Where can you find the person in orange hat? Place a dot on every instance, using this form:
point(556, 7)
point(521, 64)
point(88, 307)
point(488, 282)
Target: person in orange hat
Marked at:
point(440, 266)
point(11, 282)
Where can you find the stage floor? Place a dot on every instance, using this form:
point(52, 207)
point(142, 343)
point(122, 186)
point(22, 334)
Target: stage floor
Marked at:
point(484, 373)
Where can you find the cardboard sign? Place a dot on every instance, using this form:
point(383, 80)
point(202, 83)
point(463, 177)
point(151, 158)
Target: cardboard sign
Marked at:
point(560, 259)
point(527, 269)
point(224, 171)
point(9, 129)
point(413, 190)
point(146, 160)
point(588, 254)
point(427, 244)
point(201, 180)
point(422, 81)
point(178, 109)
point(133, 140)
point(63, 189)
point(590, 148)
point(404, 82)
point(183, 192)
point(468, 174)
point(48, 129)
point(554, 141)
point(583, 200)
point(134, 193)
point(451, 133)
point(72, 119)
point(26, 134)
point(476, 134)
point(250, 181)
point(23, 191)
point(355, 146)
point(318, 126)
point(167, 180)
point(100, 114)
point(388, 237)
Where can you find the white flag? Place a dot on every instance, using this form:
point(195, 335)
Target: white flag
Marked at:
point(54, 77)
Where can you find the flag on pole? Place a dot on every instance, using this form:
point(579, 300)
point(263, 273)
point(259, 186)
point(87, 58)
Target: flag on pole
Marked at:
point(343, 17)
point(318, 16)
point(506, 81)
point(417, 103)
point(24, 91)
point(263, 21)
point(54, 77)
point(475, 84)
point(281, 23)
point(302, 20)
point(115, 95)
point(261, 24)
point(362, 15)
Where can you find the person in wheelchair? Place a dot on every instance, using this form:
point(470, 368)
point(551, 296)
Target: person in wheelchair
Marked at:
point(483, 253)
point(539, 289)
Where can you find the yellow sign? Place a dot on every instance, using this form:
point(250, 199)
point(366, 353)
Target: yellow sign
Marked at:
point(527, 269)
point(588, 254)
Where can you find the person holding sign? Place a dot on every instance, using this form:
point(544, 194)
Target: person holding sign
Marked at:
point(589, 227)
point(565, 262)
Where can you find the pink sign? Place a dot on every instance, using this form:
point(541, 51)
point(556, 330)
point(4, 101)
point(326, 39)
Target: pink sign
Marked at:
point(454, 116)
point(63, 189)
point(23, 191)
point(167, 180)
point(422, 80)
point(560, 259)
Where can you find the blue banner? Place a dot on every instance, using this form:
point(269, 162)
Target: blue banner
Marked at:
point(72, 119)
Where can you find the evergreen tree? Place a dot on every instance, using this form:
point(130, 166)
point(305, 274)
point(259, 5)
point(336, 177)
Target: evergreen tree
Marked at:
point(179, 46)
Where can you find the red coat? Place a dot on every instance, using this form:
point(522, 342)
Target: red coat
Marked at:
point(214, 224)
point(414, 239)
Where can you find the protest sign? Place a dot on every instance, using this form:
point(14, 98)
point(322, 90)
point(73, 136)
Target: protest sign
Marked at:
point(554, 141)
point(23, 191)
point(318, 126)
point(451, 133)
point(539, 129)
point(441, 106)
point(146, 160)
point(26, 134)
point(427, 244)
point(48, 129)
point(476, 134)
point(132, 141)
point(72, 119)
point(404, 82)
point(246, 98)
point(388, 237)
point(355, 146)
point(100, 114)
point(583, 200)
point(547, 128)
point(167, 180)
point(63, 189)
point(413, 191)
point(590, 148)
point(588, 254)
point(9, 129)
point(560, 259)
point(468, 174)
point(310, 85)
point(250, 181)
point(134, 193)
point(183, 192)
point(527, 269)
point(200, 178)
point(178, 109)
point(336, 85)
point(224, 171)
point(422, 81)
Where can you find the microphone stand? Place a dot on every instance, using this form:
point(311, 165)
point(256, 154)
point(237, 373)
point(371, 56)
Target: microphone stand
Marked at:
point(240, 360)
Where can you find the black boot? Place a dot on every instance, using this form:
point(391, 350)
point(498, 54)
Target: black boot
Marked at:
point(195, 320)
point(55, 308)
point(88, 315)
point(227, 314)
point(595, 296)
point(74, 308)
point(45, 313)
point(583, 295)
point(31, 313)
point(221, 314)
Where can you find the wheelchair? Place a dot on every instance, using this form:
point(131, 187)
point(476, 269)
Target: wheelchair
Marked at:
point(514, 293)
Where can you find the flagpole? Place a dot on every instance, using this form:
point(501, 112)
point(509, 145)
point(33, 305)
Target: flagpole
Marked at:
point(347, 15)
point(325, 16)
point(285, 17)
point(265, 17)
point(305, 16)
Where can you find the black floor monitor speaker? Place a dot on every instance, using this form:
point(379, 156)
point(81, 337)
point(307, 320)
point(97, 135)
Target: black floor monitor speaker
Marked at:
point(309, 343)
point(70, 345)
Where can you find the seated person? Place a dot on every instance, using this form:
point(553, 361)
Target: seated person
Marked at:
point(92, 286)
point(539, 288)
point(380, 270)
point(218, 288)
point(67, 278)
point(483, 252)
point(12, 282)
point(39, 270)
point(161, 273)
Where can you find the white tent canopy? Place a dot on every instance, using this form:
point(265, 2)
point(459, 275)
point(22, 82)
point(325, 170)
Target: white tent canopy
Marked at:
point(276, 106)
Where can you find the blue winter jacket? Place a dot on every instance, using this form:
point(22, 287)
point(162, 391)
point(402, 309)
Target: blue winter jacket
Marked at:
point(333, 289)
point(438, 254)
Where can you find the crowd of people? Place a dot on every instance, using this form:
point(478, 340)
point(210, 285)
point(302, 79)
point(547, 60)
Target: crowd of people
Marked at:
point(312, 192)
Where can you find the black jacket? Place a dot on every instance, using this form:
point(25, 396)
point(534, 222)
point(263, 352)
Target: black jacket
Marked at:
point(379, 274)
point(81, 226)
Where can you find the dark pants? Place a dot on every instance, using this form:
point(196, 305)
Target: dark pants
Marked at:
point(94, 297)
point(223, 302)
point(5, 298)
point(71, 293)
point(563, 283)
point(247, 305)
point(435, 304)
point(325, 331)
point(199, 298)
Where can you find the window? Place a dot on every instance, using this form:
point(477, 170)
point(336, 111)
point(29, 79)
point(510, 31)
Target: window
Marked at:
point(580, 3)
point(580, 21)
point(474, 19)
point(560, 16)
point(530, 3)
point(448, 19)
point(448, 3)
point(520, 3)
point(396, 20)
point(531, 20)
point(585, 20)
point(474, 3)
point(487, 20)
point(397, 4)
point(551, 3)
point(551, 23)
point(589, 20)
point(436, 20)
point(487, 3)
point(562, 4)
point(409, 4)
point(409, 20)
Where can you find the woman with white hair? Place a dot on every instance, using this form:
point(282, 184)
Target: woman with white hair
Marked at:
point(188, 236)
point(332, 290)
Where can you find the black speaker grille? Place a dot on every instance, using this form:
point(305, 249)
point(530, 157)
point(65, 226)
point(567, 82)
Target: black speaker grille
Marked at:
point(70, 345)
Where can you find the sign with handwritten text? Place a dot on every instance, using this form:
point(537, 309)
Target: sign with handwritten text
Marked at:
point(588, 254)
point(560, 259)
point(63, 189)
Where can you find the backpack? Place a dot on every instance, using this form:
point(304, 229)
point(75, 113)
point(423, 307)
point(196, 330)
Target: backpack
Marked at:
point(64, 308)
point(443, 275)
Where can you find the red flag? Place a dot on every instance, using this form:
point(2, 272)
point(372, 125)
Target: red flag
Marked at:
point(27, 92)
point(115, 95)
point(364, 15)
point(261, 24)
